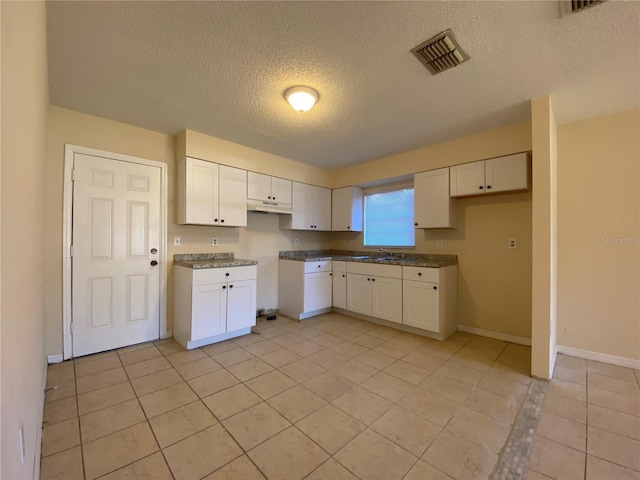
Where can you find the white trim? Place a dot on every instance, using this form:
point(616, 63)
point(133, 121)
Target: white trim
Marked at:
point(67, 231)
point(599, 357)
point(167, 334)
point(497, 335)
point(57, 358)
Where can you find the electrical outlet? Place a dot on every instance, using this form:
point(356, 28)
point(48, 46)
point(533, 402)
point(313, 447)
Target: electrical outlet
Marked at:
point(214, 241)
point(176, 241)
point(512, 243)
point(439, 243)
point(297, 241)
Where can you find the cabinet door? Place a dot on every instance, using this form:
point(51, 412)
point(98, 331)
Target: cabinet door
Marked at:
point(507, 173)
point(201, 192)
point(467, 179)
point(322, 208)
point(317, 291)
point(346, 209)
point(209, 310)
point(340, 289)
point(359, 293)
point(281, 190)
point(241, 304)
point(299, 207)
point(432, 203)
point(421, 305)
point(258, 186)
point(233, 197)
point(386, 299)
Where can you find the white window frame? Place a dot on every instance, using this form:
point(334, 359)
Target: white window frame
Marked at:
point(389, 187)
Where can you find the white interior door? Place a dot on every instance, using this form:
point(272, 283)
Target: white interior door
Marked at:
point(116, 243)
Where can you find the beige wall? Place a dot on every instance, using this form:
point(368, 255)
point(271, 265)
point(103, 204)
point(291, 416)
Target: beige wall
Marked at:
point(198, 145)
point(25, 99)
point(494, 282)
point(261, 240)
point(598, 229)
point(544, 227)
point(493, 143)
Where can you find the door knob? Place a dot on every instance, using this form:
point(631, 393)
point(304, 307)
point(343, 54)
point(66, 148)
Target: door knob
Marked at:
point(154, 263)
point(154, 251)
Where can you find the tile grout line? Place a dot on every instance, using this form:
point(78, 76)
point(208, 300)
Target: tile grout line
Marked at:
point(514, 458)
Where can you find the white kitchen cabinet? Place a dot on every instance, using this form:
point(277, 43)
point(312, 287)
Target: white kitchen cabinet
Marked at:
point(433, 206)
point(268, 189)
point(375, 290)
point(359, 293)
point(430, 299)
point(386, 298)
point(210, 194)
point(213, 304)
point(501, 174)
point(310, 208)
point(317, 291)
point(233, 197)
point(339, 284)
point(347, 209)
point(304, 288)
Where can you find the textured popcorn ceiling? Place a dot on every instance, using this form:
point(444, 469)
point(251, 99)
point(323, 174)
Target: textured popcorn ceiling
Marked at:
point(221, 68)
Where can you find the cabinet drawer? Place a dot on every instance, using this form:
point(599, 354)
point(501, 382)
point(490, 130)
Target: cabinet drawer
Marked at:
point(375, 270)
point(421, 274)
point(222, 274)
point(320, 266)
point(339, 266)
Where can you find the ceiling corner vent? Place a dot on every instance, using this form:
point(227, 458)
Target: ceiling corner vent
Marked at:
point(440, 53)
point(574, 6)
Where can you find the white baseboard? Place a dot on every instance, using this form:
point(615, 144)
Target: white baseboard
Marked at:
point(497, 335)
point(599, 357)
point(57, 358)
point(168, 334)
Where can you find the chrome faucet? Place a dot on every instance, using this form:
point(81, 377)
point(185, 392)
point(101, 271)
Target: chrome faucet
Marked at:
point(388, 253)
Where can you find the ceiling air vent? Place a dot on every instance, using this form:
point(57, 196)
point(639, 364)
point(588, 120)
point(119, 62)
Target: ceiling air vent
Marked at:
point(573, 6)
point(440, 53)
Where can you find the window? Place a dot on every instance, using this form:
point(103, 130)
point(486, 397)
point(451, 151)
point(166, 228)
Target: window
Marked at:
point(388, 219)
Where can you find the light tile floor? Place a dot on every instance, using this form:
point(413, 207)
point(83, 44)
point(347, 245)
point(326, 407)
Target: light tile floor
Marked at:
point(590, 423)
point(331, 397)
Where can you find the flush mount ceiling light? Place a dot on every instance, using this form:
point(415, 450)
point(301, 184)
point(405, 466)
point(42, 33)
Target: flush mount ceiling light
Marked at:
point(301, 98)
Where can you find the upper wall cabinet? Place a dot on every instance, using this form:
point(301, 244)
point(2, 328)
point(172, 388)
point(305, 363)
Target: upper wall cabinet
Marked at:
point(211, 194)
point(432, 203)
point(346, 209)
point(310, 208)
point(266, 188)
point(499, 174)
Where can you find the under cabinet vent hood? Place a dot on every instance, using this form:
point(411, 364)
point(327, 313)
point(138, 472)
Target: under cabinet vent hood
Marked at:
point(268, 207)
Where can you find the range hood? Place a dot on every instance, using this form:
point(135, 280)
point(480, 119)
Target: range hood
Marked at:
point(268, 207)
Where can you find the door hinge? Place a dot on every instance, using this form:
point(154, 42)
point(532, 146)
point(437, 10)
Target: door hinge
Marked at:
point(73, 175)
point(71, 328)
point(71, 251)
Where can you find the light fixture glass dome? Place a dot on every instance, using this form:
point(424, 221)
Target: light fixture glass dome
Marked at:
point(301, 98)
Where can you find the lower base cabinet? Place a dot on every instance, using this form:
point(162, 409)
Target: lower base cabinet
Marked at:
point(215, 304)
point(340, 284)
point(375, 290)
point(430, 300)
point(304, 288)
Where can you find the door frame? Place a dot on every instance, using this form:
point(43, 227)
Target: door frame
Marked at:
point(67, 237)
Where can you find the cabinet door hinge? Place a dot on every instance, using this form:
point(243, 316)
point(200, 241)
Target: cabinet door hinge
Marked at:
point(71, 251)
point(71, 328)
point(73, 175)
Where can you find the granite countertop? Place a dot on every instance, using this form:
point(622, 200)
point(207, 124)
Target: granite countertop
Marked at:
point(210, 260)
point(410, 260)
